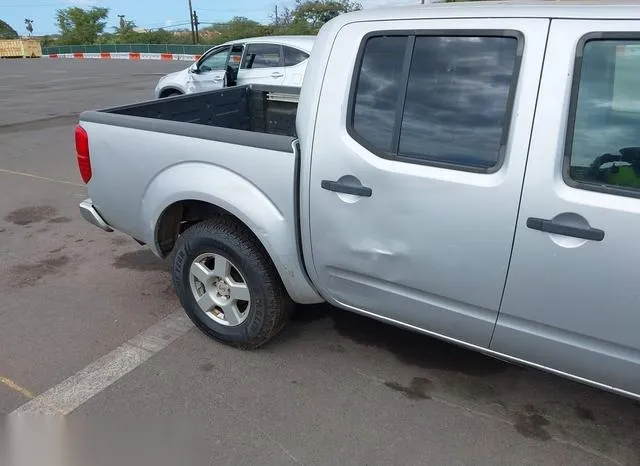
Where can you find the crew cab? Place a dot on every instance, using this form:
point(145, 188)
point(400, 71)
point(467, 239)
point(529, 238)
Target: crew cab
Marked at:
point(273, 60)
point(468, 171)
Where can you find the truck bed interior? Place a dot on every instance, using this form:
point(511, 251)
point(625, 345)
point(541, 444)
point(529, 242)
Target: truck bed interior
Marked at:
point(254, 108)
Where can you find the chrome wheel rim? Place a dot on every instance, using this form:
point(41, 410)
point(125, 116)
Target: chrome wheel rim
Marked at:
point(220, 289)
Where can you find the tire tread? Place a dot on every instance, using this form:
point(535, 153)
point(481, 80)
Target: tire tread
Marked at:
point(235, 235)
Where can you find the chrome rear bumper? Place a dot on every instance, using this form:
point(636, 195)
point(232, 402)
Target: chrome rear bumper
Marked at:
point(91, 215)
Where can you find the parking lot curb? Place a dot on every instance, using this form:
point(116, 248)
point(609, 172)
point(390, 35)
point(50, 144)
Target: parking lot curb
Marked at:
point(126, 56)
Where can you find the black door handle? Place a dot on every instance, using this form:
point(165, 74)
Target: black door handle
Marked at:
point(550, 226)
point(340, 187)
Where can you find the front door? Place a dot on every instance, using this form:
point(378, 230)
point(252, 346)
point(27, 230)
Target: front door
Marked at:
point(572, 301)
point(210, 71)
point(418, 165)
point(262, 64)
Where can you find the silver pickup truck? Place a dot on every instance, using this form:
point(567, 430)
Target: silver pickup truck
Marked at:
point(471, 172)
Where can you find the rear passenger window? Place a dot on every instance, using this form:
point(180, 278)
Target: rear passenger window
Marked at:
point(603, 144)
point(262, 56)
point(437, 100)
point(294, 56)
point(456, 106)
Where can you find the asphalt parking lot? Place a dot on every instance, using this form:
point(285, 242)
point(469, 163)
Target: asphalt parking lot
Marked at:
point(334, 388)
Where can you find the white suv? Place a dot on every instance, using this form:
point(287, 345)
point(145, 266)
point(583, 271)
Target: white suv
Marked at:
point(276, 60)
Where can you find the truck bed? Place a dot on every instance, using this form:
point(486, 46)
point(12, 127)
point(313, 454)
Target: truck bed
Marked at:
point(215, 148)
point(268, 113)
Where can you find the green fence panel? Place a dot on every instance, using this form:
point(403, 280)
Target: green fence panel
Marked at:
point(124, 48)
point(195, 49)
point(157, 48)
point(175, 49)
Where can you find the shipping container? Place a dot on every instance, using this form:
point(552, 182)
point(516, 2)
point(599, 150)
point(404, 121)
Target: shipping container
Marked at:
point(20, 48)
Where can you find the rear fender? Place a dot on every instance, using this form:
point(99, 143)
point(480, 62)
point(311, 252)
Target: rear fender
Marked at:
point(273, 225)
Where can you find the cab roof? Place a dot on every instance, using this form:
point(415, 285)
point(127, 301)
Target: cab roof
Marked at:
point(569, 9)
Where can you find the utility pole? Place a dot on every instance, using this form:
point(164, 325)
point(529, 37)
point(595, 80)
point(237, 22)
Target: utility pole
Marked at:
point(193, 31)
point(276, 15)
point(195, 24)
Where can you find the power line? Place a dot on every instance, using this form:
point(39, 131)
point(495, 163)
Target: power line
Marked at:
point(159, 24)
point(150, 28)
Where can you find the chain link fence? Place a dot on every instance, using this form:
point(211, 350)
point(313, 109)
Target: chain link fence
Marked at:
point(140, 48)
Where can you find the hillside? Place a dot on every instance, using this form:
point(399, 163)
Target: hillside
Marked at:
point(6, 31)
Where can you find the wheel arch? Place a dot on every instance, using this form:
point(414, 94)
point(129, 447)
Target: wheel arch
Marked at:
point(165, 92)
point(185, 195)
point(180, 215)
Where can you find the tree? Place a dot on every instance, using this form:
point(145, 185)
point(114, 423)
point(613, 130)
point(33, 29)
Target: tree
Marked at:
point(125, 27)
point(6, 31)
point(125, 32)
point(317, 12)
point(47, 41)
point(238, 28)
point(162, 36)
point(78, 26)
point(29, 25)
point(285, 17)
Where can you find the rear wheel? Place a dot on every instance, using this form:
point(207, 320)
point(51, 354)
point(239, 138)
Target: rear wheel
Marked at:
point(228, 285)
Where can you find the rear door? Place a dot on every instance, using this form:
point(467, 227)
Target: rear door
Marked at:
point(418, 161)
point(262, 63)
point(572, 300)
point(295, 62)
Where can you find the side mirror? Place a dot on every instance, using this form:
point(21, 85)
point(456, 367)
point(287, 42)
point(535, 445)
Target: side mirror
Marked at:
point(194, 69)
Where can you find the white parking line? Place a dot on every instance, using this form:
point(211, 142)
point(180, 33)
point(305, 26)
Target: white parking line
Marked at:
point(88, 382)
point(43, 178)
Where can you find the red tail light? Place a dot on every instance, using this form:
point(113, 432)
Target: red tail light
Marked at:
point(82, 150)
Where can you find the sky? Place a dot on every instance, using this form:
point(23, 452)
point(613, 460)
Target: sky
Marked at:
point(172, 14)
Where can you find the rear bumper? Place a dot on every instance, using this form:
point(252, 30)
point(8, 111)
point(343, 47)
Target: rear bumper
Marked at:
point(91, 215)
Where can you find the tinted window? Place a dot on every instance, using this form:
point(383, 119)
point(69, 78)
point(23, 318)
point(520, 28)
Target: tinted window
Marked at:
point(294, 56)
point(262, 56)
point(377, 91)
point(457, 96)
point(605, 141)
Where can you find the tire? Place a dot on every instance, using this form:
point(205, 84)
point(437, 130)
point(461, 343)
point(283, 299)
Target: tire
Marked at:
point(200, 249)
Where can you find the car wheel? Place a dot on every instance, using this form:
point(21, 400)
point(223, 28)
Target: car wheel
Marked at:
point(228, 285)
